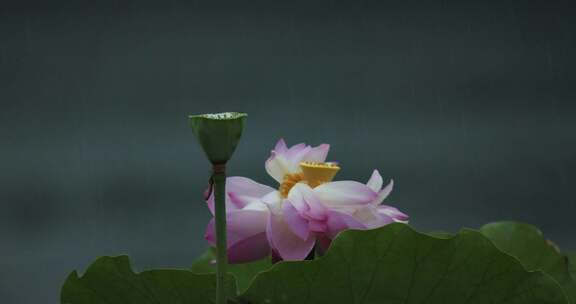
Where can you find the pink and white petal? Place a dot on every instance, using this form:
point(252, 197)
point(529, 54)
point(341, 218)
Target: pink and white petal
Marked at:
point(371, 218)
point(286, 243)
point(348, 209)
point(306, 202)
point(317, 154)
point(342, 193)
point(256, 206)
point(295, 221)
point(297, 198)
point(317, 210)
point(375, 182)
point(338, 221)
point(296, 153)
point(272, 199)
point(210, 234)
point(318, 226)
point(249, 249)
point(393, 213)
point(280, 146)
point(277, 166)
point(245, 223)
point(246, 234)
point(210, 201)
point(383, 194)
point(240, 191)
point(230, 206)
point(283, 160)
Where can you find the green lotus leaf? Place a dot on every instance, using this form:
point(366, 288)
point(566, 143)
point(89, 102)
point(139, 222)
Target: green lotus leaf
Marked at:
point(395, 264)
point(218, 134)
point(533, 250)
point(110, 280)
point(244, 273)
point(572, 264)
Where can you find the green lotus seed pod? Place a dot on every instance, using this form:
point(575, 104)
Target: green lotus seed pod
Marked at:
point(218, 134)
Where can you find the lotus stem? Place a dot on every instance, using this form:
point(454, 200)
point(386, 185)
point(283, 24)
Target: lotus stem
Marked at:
point(219, 180)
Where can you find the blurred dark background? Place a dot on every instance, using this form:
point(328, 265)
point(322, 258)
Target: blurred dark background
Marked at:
point(468, 105)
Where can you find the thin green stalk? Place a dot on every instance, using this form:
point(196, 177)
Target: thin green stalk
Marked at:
point(219, 180)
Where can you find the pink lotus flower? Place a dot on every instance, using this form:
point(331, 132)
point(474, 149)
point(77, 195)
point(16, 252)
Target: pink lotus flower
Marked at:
point(308, 208)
